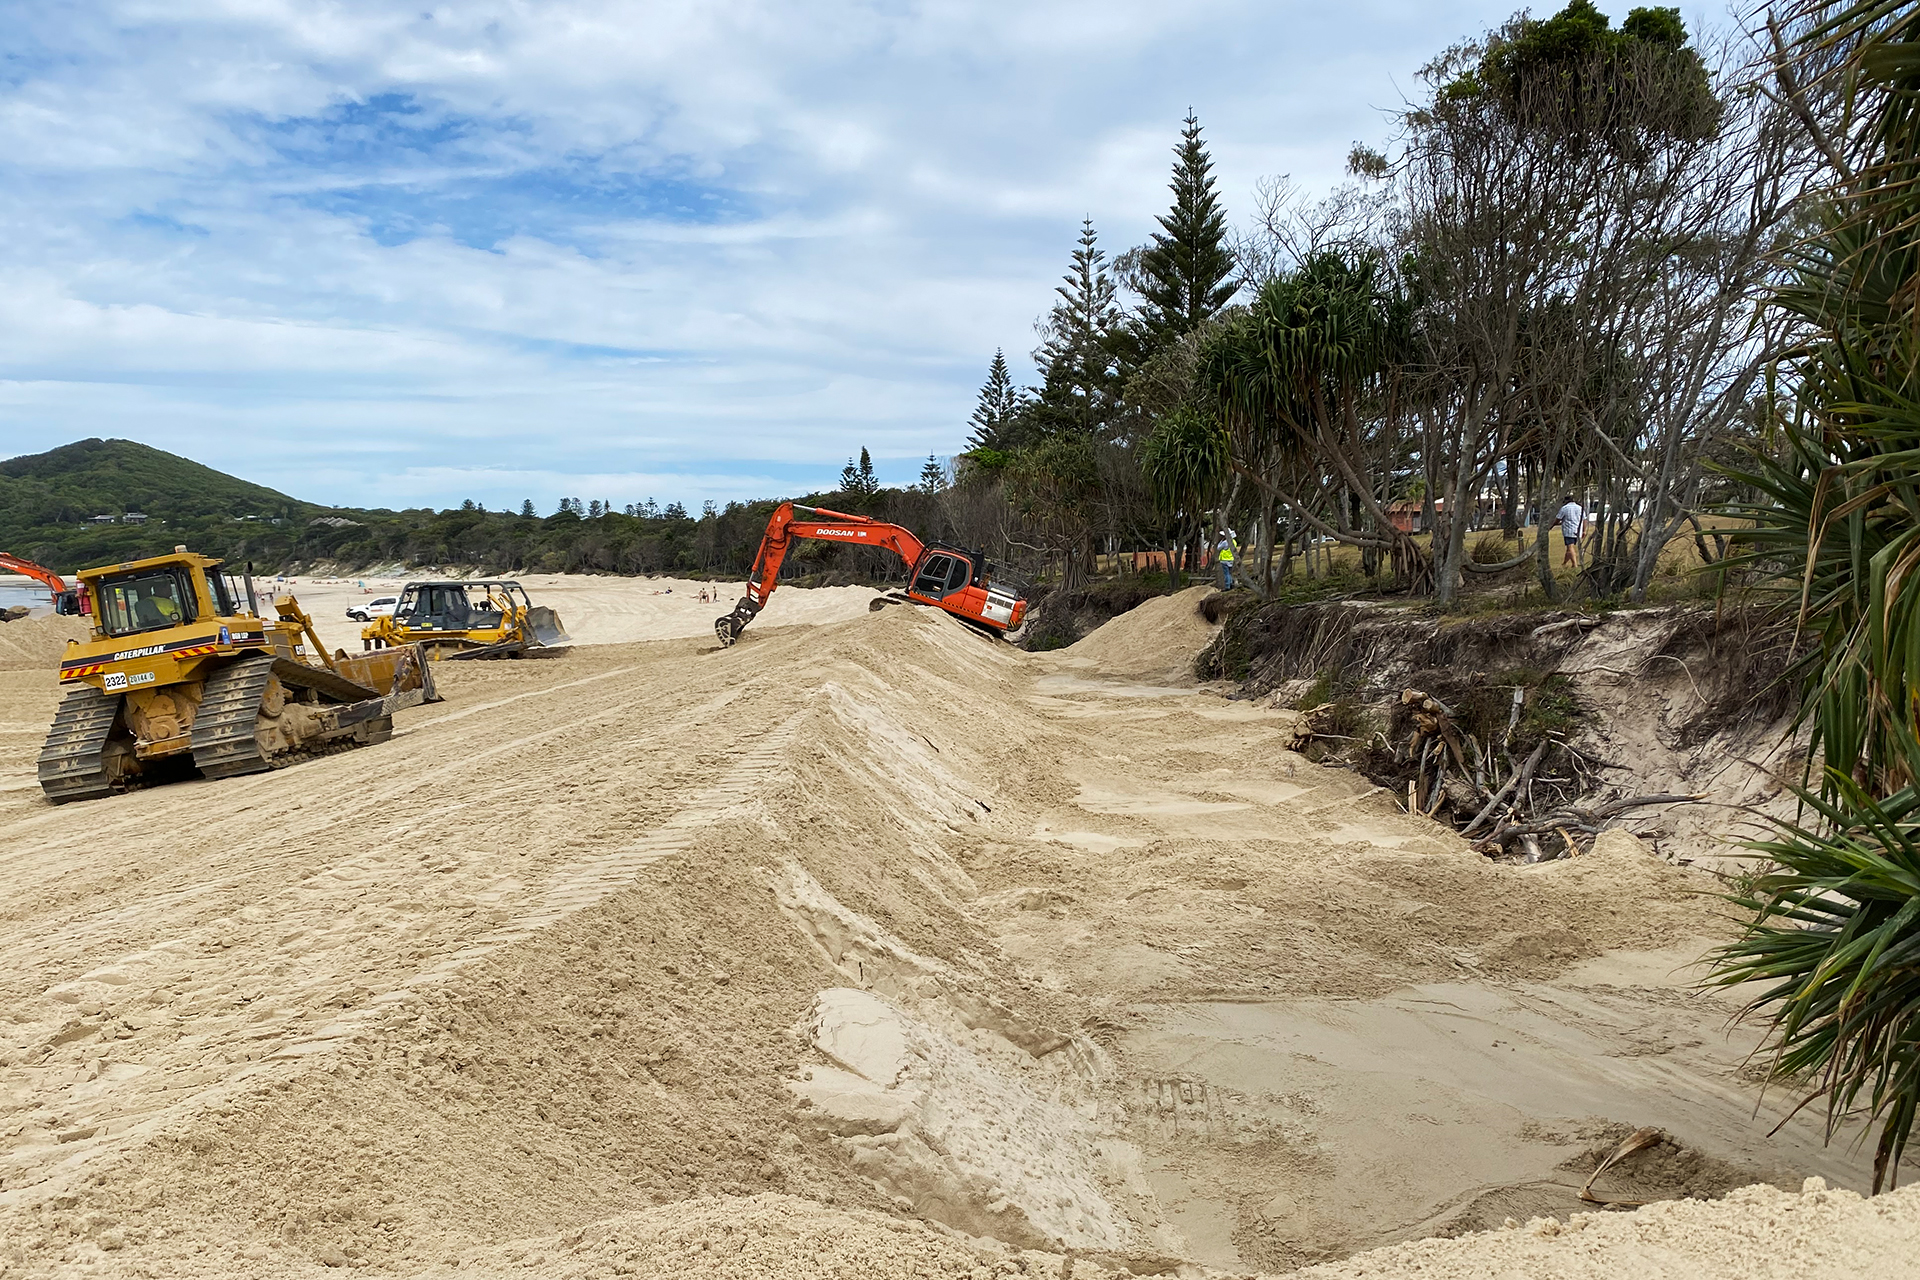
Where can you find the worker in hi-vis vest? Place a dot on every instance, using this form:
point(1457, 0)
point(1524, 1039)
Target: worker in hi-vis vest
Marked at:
point(1224, 554)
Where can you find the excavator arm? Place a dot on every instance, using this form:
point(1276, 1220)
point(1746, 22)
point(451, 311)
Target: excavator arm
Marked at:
point(65, 601)
point(14, 564)
point(790, 522)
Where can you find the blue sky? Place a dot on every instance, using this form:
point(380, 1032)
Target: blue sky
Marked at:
point(380, 255)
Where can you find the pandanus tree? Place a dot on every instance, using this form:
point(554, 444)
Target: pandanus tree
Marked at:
point(1185, 462)
point(1307, 383)
point(1834, 927)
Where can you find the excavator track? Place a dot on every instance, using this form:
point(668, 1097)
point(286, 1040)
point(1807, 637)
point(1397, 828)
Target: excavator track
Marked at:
point(224, 742)
point(74, 763)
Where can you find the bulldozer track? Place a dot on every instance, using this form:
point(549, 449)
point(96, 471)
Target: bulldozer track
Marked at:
point(224, 743)
point(72, 764)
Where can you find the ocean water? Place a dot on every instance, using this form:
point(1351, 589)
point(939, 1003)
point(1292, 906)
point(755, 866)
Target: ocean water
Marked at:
point(24, 591)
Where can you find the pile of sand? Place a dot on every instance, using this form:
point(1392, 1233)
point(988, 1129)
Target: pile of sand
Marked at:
point(1757, 1233)
point(1157, 639)
point(35, 644)
point(768, 1237)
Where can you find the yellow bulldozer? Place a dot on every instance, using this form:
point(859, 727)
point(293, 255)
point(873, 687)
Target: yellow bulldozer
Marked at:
point(472, 618)
point(182, 669)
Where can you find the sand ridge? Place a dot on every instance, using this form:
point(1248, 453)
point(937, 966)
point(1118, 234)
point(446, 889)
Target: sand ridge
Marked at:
point(872, 947)
point(35, 644)
point(1157, 640)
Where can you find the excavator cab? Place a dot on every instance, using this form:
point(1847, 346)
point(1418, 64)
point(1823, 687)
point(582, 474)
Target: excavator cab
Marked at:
point(944, 571)
point(960, 581)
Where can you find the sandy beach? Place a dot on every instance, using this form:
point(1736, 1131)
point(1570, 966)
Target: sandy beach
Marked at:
point(869, 947)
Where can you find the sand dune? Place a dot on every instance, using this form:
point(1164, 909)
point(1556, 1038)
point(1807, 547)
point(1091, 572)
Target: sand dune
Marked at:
point(869, 947)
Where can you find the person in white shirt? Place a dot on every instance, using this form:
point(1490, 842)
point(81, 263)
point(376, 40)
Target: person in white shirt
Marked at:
point(1572, 522)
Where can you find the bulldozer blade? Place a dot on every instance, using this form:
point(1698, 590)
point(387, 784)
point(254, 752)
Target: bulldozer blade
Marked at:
point(546, 627)
point(388, 671)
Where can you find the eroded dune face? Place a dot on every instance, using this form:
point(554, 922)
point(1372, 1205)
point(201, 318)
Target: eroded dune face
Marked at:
point(869, 948)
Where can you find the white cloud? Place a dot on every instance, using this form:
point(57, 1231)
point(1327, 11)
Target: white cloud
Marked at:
point(390, 255)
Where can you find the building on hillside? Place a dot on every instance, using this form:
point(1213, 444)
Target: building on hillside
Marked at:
point(133, 517)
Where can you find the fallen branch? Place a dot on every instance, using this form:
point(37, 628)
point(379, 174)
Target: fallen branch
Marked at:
point(1585, 624)
point(1584, 819)
point(1635, 1141)
point(1519, 777)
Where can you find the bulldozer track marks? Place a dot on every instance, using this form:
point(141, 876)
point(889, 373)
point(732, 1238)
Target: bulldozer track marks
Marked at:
point(72, 765)
point(109, 1118)
point(581, 885)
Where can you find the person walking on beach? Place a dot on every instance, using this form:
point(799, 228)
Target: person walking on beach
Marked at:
point(1572, 521)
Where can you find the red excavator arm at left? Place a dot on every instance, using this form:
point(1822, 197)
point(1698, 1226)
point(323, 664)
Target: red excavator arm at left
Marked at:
point(789, 522)
point(64, 601)
point(14, 564)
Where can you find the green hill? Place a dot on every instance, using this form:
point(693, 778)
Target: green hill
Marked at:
point(111, 477)
point(48, 500)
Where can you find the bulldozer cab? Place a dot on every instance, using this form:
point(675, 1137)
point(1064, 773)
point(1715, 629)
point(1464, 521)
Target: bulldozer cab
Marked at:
point(162, 593)
point(458, 606)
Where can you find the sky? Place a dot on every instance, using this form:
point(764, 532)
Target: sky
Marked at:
point(389, 256)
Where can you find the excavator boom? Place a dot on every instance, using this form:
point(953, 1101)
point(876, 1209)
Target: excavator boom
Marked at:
point(40, 573)
point(948, 577)
point(65, 601)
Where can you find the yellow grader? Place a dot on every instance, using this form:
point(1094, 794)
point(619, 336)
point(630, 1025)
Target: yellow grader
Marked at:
point(475, 618)
point(182, 668)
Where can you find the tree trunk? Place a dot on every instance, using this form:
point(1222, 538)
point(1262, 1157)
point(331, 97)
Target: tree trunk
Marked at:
point(1542, 550)
point(1447, 571)
point(1263, 545)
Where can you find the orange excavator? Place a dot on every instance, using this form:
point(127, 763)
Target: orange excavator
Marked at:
point(949, 578)
point(63, 600)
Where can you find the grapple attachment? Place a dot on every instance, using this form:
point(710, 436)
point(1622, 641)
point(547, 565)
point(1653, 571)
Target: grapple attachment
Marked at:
point(729, 626)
